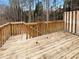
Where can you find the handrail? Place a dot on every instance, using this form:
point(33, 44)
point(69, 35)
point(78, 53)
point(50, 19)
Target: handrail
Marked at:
point(29, 23)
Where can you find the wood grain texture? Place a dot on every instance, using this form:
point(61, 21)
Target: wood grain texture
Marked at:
point(58, 45)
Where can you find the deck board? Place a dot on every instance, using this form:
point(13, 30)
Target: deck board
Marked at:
point(58, 45)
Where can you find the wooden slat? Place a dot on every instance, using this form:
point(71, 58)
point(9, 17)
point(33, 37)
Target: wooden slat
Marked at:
point(74, 21)
point(70, 22)
point(77, 30)
point(67, 21)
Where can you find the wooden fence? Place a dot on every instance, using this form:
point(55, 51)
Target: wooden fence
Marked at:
point(30, 29)
point(71, 21)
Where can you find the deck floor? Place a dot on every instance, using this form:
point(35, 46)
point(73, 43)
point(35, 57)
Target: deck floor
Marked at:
point(58, 45)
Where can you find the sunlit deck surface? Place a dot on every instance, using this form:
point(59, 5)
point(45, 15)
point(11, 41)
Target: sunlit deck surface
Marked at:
point(58, 45)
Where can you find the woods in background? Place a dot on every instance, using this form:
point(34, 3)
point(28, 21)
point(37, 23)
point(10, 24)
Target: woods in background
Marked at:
point(71, 5)
point(34, 10)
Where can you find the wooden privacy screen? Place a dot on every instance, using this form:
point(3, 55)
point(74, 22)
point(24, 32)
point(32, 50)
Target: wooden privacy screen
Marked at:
point(71, 22)
point(30, 29)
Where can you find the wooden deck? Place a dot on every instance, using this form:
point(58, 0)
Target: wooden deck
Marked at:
point(58, 45)
point(30, 29)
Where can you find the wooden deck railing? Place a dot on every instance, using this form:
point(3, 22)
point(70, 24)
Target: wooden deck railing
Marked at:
point(30, 29)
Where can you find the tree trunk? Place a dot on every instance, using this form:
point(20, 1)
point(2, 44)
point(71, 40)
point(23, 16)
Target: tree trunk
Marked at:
point(29, 11)
point(47, 8)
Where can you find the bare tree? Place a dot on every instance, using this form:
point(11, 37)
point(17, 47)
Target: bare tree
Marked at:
point(47, 7)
